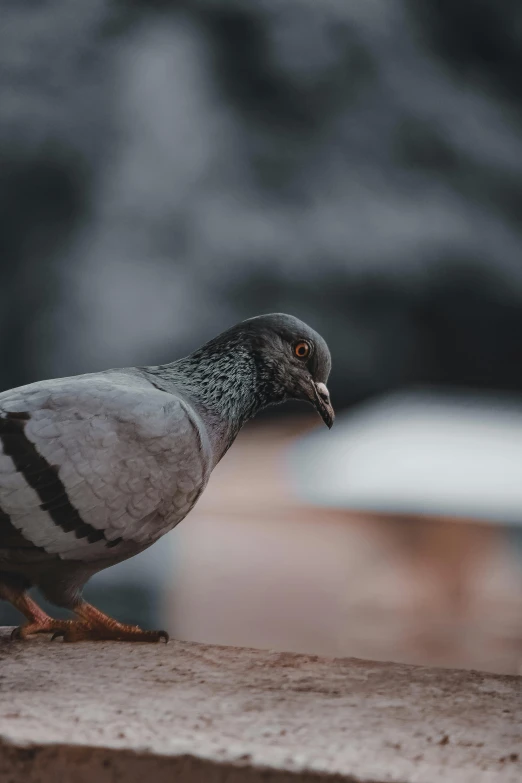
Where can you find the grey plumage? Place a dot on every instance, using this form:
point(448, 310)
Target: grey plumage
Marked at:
point(95, 468)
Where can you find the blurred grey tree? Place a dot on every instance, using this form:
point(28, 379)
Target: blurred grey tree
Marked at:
point(170, 167)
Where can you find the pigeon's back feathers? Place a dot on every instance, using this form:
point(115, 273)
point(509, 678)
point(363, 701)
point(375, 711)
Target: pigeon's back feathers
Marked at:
point(97, 465)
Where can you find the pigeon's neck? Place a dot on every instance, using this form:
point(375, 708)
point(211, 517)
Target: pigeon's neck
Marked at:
point(225, 386)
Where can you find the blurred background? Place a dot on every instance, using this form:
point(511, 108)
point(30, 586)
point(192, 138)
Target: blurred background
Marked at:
point(169, 168)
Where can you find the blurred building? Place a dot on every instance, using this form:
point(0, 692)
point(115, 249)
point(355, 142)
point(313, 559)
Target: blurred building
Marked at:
point(390, 538)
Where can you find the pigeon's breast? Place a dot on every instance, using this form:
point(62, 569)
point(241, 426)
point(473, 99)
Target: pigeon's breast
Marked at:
point(186, 459)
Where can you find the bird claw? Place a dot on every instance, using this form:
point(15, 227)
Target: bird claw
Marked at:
point(41, 626)
point(99, 628)
point(135, 634)
point(82, 632)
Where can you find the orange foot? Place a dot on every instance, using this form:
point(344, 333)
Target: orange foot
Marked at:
point(37, 620)
point(78, 631)
point(97, 627)
point(93, 625)
point(40, 625)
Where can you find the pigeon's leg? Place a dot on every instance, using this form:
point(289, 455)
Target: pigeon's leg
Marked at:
point(98, 627)
point(37, 620)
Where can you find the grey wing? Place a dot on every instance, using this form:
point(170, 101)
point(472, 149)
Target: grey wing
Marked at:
point(90, 465)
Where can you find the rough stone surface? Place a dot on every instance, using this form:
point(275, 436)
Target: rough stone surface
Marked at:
point(189, 712)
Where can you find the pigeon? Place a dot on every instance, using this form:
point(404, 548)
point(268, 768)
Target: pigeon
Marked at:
point(96, 468)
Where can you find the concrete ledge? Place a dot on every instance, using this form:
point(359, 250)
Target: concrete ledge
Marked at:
point(191, 713)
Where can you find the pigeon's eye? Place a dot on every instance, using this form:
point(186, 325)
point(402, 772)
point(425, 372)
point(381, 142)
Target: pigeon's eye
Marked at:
point(302, 349)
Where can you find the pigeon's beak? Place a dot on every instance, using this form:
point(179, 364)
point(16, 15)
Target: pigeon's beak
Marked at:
point(322, 404)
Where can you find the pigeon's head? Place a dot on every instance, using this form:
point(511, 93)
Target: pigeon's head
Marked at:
point(292, 360)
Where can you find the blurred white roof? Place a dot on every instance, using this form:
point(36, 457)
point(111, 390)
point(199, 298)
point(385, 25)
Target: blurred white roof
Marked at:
point(419, 453)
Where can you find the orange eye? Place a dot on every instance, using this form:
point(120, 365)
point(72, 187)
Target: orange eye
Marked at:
point(302, 350)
